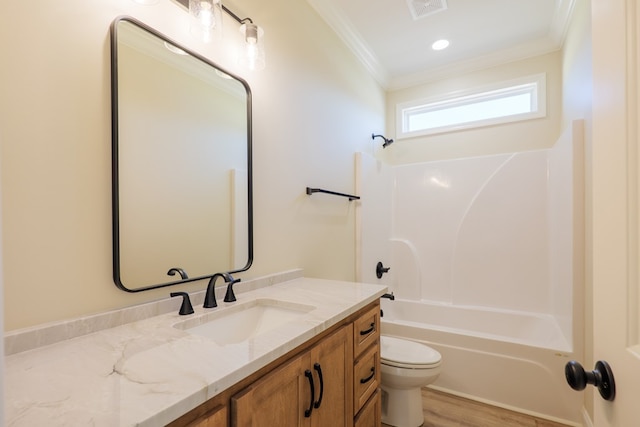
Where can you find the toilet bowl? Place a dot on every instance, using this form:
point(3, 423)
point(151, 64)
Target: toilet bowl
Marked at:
point(406, 367)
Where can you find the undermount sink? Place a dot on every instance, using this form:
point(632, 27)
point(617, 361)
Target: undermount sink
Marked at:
point(241, 322)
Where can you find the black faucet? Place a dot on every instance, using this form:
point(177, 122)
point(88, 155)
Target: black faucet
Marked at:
point(180, 271)
point(186, 307)
point(229, 296)
point(210, 296)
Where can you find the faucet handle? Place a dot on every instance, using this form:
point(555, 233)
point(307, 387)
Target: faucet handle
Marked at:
point(381, 269)
point(230, 296)
point(186, 307)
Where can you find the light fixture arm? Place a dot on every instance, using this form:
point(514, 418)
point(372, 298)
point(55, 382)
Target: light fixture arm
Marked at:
point(185, 3)
point(236, 17)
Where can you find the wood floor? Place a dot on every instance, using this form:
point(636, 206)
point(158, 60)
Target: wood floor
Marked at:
point(446, 410)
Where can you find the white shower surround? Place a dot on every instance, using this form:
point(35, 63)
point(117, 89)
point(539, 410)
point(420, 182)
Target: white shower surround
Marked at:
point(491, 232)
point(478, 246)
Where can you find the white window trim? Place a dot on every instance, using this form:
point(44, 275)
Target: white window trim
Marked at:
point(536, 84)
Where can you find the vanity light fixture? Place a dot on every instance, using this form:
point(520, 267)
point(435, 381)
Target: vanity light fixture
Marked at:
point(206, 24)
point(252, 56)
point(208, 15)
point(223, 75)
point(174, 49)
point(206, 19)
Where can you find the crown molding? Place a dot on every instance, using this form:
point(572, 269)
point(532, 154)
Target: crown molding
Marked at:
point(553, 41)
point(354, 41)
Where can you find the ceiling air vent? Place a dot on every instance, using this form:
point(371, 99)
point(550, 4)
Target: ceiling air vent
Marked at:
point(421, 8)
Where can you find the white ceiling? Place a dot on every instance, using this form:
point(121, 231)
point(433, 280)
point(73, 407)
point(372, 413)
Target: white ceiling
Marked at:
point(396, 48)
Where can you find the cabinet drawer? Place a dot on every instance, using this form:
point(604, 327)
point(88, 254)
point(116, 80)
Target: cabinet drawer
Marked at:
point(366, 330)
point(371, 414)
point(366, 377)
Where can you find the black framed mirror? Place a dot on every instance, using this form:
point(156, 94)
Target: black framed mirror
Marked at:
point(181, 163)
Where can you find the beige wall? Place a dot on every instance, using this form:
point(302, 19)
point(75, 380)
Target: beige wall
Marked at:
point(314, 106)
point(518, 136)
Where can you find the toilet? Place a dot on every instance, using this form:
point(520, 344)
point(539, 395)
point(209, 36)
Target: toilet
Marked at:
point(406, 367)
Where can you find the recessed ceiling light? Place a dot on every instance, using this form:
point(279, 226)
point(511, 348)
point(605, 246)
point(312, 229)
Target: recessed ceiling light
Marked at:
point(440, 44)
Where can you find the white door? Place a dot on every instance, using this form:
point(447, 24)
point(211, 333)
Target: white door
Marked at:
point(616, 220)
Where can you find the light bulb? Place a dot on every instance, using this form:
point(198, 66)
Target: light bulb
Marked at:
point(251, 34)
point(206, 18)
point(252, 55)
point(205, 15)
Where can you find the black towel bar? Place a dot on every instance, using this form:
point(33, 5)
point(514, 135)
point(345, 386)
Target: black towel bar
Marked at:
point(310, 191)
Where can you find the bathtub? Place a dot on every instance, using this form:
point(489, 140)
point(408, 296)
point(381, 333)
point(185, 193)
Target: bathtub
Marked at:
point(511, 359)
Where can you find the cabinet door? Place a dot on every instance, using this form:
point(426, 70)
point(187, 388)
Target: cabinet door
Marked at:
point(216, 418)
point(332, 365)
point(277, 399)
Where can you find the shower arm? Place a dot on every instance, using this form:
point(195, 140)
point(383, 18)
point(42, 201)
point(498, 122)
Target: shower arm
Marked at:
point(387, 141)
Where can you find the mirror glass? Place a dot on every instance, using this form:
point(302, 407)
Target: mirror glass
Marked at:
point(181, 163)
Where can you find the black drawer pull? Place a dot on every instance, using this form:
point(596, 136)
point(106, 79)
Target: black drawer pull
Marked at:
point(318, 368)
point(371, 329)
point(369, 378)
point(309, 375)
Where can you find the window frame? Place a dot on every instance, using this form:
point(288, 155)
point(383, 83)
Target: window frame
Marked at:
point(533, 84)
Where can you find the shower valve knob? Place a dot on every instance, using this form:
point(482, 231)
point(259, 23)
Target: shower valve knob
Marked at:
point(601, 377)
point(380, 270)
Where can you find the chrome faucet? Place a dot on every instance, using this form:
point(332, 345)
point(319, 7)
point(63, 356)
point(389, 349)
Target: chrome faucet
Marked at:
point(210, 296)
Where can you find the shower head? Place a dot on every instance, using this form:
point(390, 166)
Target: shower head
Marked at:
point(387, 141)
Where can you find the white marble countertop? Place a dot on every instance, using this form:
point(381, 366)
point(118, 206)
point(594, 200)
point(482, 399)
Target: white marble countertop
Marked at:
point(149, 372)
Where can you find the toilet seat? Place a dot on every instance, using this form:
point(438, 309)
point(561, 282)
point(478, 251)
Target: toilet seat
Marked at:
point(406, 354)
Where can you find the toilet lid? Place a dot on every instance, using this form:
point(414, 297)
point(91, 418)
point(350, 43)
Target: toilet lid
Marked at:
point(404, 353)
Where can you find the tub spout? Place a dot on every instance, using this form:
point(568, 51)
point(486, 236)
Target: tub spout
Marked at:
point(389, 296)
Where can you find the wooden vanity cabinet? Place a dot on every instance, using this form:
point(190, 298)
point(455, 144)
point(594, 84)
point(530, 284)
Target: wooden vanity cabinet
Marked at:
point(311, 390)
point(371, 413)
point(279, 394)
point(216, 418)
point(275, 400)
point(366, 368)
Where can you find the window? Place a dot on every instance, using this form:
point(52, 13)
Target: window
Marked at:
point(511, 101)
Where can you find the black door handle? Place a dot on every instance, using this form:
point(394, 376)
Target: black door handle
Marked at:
point(369, 378)
point(318, 368)
point(309, 375)
point(601, 377)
